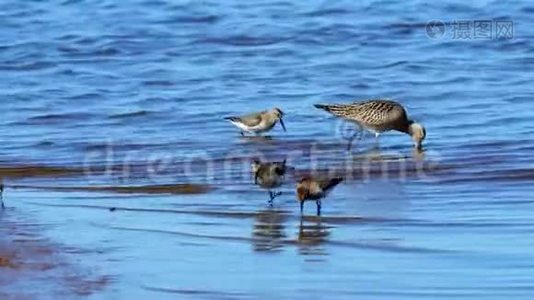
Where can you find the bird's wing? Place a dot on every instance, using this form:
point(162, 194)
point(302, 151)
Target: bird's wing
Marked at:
point(267, 178)
point(379, 112)
point(351, 111)
point(279, 168)
point(250, 120)
point(329, 183)
point(262, 174)
point(338, 110)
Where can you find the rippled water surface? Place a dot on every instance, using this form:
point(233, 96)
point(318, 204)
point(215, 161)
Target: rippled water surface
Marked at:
point(112, 139)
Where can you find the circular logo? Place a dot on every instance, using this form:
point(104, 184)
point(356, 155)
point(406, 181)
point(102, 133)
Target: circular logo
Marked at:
point(435, 29)
point(348, 131)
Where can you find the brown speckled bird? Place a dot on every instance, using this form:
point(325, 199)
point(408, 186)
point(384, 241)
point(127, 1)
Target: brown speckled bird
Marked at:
point(378, 116)
point(269, 175)
point(315, 189)
point(258, 122)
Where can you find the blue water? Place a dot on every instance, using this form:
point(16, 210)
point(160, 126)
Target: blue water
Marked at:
point(137, 91)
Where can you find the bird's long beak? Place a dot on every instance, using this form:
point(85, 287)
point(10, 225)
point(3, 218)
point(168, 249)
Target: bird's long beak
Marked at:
point(419, 146)
point(283, 126)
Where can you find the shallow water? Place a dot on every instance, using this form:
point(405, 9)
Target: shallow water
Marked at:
point(113, 141)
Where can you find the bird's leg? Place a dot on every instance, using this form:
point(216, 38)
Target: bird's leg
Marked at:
point(301, 207)
point(273, 195)
point(2, 196)
point(301, 229)
point(242, 133)
point(350, 144)
point(358, 133)
point(349, 147)
point(318, 207)
point(377, 144)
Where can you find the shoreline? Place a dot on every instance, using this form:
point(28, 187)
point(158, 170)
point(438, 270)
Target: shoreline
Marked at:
point(32, 265)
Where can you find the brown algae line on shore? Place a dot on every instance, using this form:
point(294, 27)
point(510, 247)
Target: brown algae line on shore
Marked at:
point(177, 188)
point(28, 259)
point(37, 171)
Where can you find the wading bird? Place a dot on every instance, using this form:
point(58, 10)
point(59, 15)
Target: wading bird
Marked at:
point(269, 175)
point(377, 116)
point(315, 189)
point(258, 122)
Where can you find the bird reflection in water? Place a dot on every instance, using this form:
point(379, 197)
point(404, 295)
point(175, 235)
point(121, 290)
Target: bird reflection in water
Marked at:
point(268, 233)
point(262, 139)
point(311, 236)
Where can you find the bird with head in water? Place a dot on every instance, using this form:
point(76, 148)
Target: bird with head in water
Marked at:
point(269, 175)
point(309, 188)
point(378, 116)
point(258, 122)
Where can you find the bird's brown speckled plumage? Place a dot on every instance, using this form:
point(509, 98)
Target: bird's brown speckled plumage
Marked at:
point(378, 115)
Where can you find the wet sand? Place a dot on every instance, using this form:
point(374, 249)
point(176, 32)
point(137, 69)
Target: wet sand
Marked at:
point(160, 230)
point(32, 266)
point(207, 216)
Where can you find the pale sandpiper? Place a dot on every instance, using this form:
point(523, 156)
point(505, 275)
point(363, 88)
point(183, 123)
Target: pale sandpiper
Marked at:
point(378, 116)
point(309, 188)
point(258, 122)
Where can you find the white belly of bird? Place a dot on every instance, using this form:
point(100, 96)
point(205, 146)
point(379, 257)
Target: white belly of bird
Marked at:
point(261, 127)
point(241, 126)
point(372, 129)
